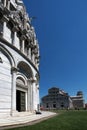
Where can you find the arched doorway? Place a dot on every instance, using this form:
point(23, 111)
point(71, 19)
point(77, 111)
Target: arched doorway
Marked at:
point(20, 98)
point(22, 94)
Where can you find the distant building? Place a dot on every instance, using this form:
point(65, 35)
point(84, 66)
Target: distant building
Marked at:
point(58, 99)
point(78, 101)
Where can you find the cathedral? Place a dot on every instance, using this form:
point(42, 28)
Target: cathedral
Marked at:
point(19, 60)
point(58, 99)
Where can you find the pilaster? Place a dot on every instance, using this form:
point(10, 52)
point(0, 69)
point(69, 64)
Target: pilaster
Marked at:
point(13, 98)
point(8, 6)
point(38, 97)
point(15, 35)
point(23, 43)
point(4, 3)
point(4, 28)
point(34, 94)
point(29, 53)
point(29, 96)
point(14, 41)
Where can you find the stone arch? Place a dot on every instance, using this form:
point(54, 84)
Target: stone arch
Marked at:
point(23, 88)
point(21, 92)
point(8, 55)
point(25, 69)
point(22, 79)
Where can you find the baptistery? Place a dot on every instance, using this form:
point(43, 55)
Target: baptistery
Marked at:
point(19, 60)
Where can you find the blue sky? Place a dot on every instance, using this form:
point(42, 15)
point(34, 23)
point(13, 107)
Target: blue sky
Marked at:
point(61, 28)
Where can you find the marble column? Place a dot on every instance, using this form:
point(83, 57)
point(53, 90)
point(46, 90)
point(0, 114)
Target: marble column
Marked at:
point(38, 97)
point(8, 5)
point(29, 53)
point(29, 99)
point(31, 93)
point(14, 40)
point(22, 49)
point(35, 61)
point(13, 98)
point(35, 42)
point(5, 3)
point(14, 30)
point(4, 28)
point(34, 95)
point(33, 57)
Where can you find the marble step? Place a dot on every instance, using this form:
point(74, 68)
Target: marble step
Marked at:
point(24, 118)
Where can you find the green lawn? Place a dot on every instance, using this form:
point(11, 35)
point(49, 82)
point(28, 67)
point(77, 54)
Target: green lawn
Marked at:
point(67, 120)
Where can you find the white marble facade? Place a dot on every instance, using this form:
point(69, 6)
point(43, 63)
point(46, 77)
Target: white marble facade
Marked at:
point(19, 60)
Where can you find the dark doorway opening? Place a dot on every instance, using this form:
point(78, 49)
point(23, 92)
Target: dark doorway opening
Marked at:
point(20, 101)
point(54, 105)
point(62, 105)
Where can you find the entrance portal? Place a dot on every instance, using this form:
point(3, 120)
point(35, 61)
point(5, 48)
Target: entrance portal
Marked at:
point(20, 101)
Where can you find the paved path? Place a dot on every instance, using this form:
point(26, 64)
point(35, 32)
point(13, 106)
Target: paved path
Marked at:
point(11, 122)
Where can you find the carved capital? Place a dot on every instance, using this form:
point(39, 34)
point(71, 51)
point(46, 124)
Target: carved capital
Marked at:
point(37, 57)
point(32, 80)
point(37, 76)
point(14, 69)
point(23, 37)
point(15, 29)
point(33, 51)
point(24, 31)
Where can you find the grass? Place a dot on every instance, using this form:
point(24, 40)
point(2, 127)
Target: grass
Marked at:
point(66, 120)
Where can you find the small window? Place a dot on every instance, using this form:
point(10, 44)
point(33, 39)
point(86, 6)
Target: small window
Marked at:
point(62, 104)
